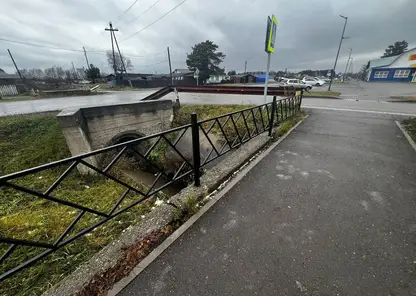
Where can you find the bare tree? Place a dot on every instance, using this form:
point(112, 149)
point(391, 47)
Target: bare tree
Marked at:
point(119, 64)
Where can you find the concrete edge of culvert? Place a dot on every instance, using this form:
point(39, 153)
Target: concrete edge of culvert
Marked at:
point(118, 263)
point(406, 134)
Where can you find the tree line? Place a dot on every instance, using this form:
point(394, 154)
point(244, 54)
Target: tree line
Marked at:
point(55, 73)
point(204, 56)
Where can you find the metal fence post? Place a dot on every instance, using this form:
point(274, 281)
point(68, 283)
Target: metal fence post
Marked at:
point(196, 156)
point(272, 116)
point(300, 99)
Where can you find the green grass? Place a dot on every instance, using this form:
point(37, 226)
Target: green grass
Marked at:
point(18, 98)
point(209, 111)
point(410, 126)
point(105, 86)
point(288, 124)
point(405, 98)
point(204, 112)
point(32, 140)
point(321, 93)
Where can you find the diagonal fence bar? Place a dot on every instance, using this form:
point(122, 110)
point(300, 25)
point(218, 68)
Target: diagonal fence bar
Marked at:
point(227, 131)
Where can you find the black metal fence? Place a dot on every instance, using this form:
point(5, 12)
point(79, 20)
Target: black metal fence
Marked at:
point(220, 134)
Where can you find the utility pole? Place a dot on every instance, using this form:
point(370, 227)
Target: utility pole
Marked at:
point(112, 47)
point(245, 72)
point(113, 35)
point(339, 48)
point(346, 67)
point(122, 61)
point(75, 72)
point(17, 69)
point(86, 58)
point(350, 67)
point(170, 68)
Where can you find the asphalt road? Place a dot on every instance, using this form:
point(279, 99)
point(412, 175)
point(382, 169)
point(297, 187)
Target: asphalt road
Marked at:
point(44, 105)
point(330, 211)
point(373, 90)
point(12, 108)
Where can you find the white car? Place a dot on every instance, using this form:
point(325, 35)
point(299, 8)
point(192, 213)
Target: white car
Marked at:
point(298, 83)
point(313, 81)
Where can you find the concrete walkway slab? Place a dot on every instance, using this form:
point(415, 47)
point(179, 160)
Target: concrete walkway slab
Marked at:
point(330, 211)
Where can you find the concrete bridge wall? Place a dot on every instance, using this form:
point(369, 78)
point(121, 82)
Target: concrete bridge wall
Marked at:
point(88, 129)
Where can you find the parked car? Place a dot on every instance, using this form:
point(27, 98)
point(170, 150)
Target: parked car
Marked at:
point(320, 80)
point(313, 81)
point(298, 83)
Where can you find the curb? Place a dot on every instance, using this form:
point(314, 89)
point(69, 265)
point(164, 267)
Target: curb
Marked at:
point(406, 134)
point(402, 101)
point(119, 286)
point(322, 97)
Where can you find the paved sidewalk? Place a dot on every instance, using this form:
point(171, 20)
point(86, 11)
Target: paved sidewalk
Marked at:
point(330, 211)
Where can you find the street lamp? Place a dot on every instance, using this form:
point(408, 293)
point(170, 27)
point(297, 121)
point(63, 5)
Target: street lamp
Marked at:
point(346, 67)
point(339, 48)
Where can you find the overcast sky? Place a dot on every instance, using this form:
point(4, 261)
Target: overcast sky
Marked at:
point(307, 37)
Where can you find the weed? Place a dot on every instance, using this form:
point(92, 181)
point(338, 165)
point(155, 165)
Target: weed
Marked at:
point(322, 94)
point(410, 126)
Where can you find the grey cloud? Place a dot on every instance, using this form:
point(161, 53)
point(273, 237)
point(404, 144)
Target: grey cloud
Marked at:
point(307, 38)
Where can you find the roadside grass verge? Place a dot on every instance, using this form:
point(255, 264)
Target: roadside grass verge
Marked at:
point(410, 126)
point(31, 140)
point(105, 86)
point(318, 93)
point(23, 97)
point(404, 98)
point(288, 124)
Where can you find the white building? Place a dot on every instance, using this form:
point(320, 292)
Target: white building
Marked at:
point(400, 68)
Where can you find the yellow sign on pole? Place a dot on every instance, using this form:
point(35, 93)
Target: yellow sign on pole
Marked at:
point(271, 34)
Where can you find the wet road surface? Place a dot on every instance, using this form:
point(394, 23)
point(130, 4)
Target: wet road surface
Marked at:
point(11, 108)
point(44, 105)
point(330, 211)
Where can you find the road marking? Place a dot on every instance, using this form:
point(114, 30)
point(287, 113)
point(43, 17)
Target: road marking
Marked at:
point(406, 134)
point(359, 110)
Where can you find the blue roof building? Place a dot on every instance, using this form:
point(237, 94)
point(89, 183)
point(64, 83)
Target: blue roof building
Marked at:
point(261, 78)
point(400, 68)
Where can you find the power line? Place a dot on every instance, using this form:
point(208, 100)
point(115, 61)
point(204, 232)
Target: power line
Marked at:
point(40, 45)
point(136, 18)
point(97, 52)
point(154, 21)
point(161, 62)
point(127, 10)
point(104, 52)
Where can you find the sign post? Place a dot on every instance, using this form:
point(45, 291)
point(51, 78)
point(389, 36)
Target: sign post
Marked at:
point(196, 75)
point(269, 48)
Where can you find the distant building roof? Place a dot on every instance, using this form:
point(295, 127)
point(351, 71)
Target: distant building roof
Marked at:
point(263, 76)
point(243, 75)
point(182, 71)
point(382, 62)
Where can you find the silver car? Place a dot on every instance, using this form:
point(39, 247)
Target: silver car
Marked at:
point(298, 84)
